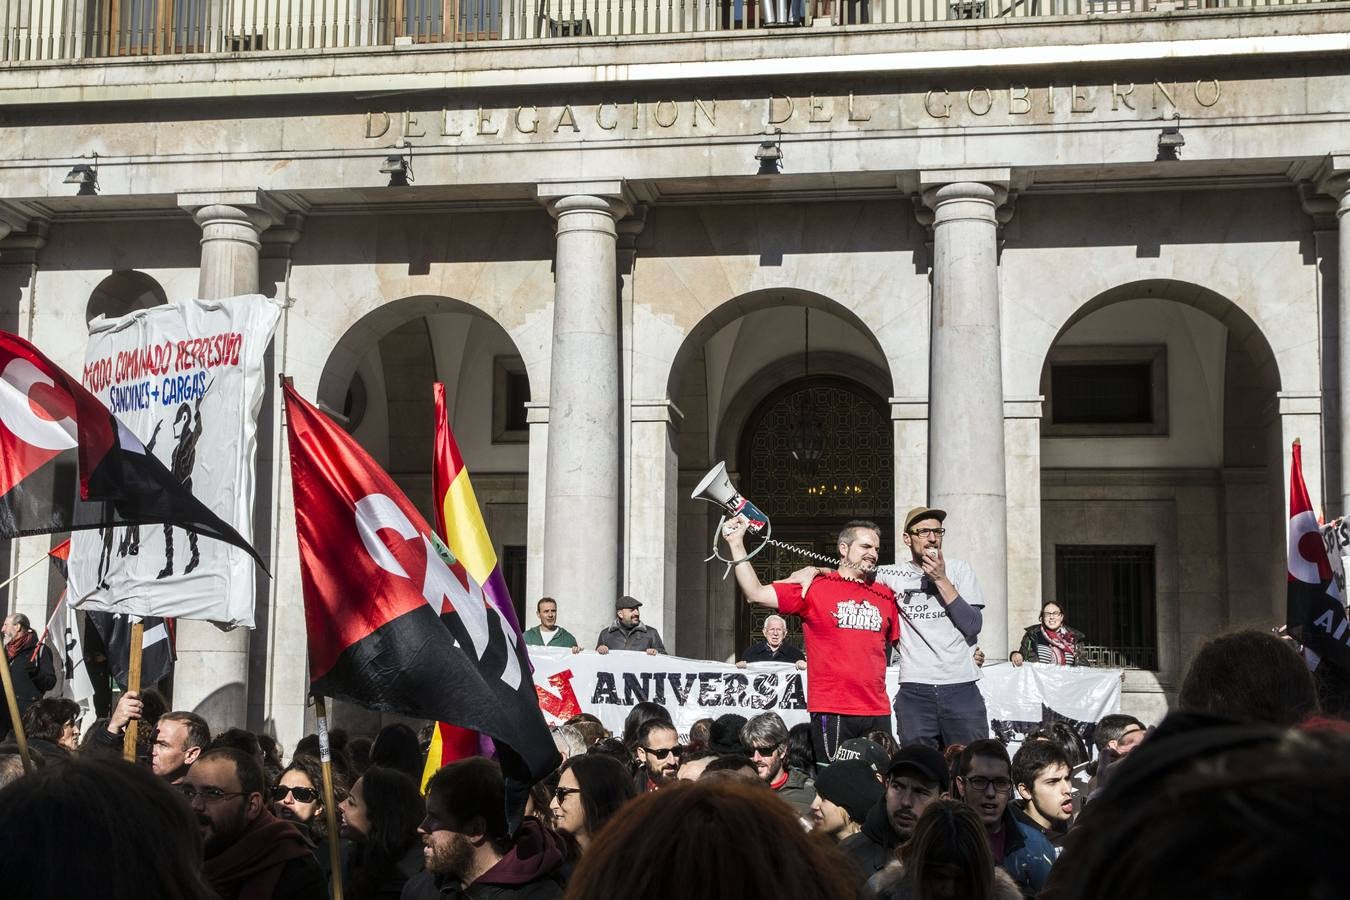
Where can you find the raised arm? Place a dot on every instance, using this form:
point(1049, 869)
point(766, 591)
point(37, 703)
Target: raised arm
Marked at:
point(756, 592)
point(963, 611)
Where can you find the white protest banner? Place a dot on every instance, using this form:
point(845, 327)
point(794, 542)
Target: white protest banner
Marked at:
point(63, 637)
point(187, 379)
point(1336, 538)
point(1019, 699)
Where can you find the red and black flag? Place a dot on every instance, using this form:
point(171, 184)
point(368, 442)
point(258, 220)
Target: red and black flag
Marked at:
point(394, 621)
point(157, 646)
point(67, 464)
point(60, 559)
point(1316, 611)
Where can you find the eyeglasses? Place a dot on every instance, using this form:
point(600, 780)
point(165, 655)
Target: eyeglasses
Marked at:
point(561, 794)
point(981, 785)
point(206, 794)
point(1053, 615)
point(301, 794)
point(662, 754)
point(764, 751)
point(928, 532)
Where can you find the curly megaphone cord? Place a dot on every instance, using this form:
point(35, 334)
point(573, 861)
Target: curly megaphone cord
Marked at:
point(833, 562)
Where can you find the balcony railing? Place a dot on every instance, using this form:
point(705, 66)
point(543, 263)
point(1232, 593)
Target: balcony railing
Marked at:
point(1121, 657)
point(36, 30)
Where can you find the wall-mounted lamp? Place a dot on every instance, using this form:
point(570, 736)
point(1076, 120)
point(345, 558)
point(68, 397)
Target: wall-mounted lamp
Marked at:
point(86, 176)
point(399, 168)
point(770, 155)
point(1170, 141)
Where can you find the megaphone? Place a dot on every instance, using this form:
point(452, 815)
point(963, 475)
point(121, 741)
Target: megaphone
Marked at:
point(716, 488)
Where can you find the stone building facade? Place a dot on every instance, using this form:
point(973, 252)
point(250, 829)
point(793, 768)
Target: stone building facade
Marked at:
point(976, 277)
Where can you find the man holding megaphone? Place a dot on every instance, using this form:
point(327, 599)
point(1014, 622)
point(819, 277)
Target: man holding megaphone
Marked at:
point(849, 623)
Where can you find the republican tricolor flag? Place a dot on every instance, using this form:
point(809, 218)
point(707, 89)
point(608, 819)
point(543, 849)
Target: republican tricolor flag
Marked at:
point(1316, 611)
point(459, 522)
point(395, 621)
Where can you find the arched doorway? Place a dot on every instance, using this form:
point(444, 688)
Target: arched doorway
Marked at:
point(1162, 480)
point(809, 499)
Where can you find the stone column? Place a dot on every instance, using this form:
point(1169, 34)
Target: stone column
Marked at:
point(232, 223)
point(211, 677)
point(966, 474)
point(582, 496)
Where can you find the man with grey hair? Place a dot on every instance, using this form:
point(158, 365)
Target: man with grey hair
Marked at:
point(773, 648)
point(31, 669)
point(765, 739)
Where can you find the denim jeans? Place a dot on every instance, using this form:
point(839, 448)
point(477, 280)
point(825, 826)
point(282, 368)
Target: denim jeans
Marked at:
point(940, 714)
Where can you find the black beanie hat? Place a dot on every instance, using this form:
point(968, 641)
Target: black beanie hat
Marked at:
point(852, 785)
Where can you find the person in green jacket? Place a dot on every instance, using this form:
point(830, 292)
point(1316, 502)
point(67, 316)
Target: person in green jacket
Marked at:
point(547, 633)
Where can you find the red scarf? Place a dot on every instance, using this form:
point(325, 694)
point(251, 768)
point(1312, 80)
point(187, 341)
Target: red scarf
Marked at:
point(20, 643)
point(254, 862)
point(1062, 647)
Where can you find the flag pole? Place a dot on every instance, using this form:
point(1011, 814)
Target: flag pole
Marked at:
point(133, 684)
point(329, 807)
point(19, 737)
point(32, 565)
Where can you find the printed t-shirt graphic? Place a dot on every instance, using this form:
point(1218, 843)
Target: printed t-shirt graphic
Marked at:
point(848, 627)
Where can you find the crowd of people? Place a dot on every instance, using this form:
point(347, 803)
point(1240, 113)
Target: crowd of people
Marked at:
point(1236, 793)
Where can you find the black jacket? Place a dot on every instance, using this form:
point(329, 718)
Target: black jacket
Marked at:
point(786, 653)
point(32, 678)
point(641, 637)
point(873, 847)
point(390, 884)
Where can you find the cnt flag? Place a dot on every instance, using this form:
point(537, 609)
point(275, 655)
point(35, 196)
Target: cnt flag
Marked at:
point(1316, 611)
point(394, 621)
point(459, 522)
point(53, 430)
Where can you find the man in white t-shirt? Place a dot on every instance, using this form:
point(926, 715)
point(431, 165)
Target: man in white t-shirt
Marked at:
point(547, 633)
point(939, 702)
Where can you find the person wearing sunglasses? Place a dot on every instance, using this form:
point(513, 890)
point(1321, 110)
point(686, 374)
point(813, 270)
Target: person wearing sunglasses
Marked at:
point(658, 752)
point(297, 797)
point(984, 783)
point(590, 790)
point(765, 737)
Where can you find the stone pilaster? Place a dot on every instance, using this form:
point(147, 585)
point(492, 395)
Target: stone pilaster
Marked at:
point(582, 531)
point(1335, 182)
point(966, 470)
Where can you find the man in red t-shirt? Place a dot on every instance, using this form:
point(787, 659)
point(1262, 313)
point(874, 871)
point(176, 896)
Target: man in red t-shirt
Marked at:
point(849, 623)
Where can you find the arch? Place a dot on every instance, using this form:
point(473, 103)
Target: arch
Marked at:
point(1227, 312)
point(124, 291)
point(717, 318)
point(855, 480)
point(356, 342)
point(745, 406)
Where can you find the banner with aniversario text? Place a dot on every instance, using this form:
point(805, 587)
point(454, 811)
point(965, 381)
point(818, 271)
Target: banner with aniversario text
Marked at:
point(1019, 698)
point(187, 379)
